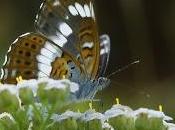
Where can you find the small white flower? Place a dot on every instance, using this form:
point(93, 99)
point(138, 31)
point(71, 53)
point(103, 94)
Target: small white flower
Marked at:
point(117, 110)
point(92, 115)
point(106, 125)
point(5, 114)
point(66, 115)
point(151, 113)
point(30, 126)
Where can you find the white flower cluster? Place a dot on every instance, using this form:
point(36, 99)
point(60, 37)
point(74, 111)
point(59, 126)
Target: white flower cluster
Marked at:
point(116, 110)
point(33, 84)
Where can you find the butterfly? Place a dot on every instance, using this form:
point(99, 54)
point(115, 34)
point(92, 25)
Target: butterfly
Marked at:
point(66, 44)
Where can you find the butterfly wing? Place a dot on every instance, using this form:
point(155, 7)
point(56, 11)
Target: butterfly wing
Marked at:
point(104, 54)
point(71, 24)
point(34, 56)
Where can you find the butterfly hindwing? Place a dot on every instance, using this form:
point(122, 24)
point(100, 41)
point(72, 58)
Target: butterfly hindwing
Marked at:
point(34, 56)
point(104, 54)
point(71, 24)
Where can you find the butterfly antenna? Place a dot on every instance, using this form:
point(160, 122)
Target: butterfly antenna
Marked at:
point(123, 68)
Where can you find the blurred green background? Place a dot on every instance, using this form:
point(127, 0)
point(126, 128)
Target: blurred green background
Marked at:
point(139, 29)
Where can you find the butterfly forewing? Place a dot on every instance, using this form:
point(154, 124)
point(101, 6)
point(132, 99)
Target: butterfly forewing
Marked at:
point(71, 24)
point(34, 56)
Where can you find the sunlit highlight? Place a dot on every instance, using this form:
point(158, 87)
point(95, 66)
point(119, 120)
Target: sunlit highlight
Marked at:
point(160, 108)
point(19, 79)
point(117, 101)
point(90, 105)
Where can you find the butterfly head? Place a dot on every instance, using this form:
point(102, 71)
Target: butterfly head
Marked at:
point(89, 88)
point(104, 82)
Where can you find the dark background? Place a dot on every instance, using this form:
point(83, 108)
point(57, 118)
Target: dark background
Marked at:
point(139, 29)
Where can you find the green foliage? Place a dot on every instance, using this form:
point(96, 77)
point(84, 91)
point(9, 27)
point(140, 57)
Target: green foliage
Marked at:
point(53, 109)
point(144, 123)
point(8, 102)
point(122, 123)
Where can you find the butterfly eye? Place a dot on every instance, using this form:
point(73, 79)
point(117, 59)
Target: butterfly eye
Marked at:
point(93, 81)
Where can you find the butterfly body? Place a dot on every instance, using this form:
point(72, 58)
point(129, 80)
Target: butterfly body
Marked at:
point(67, 45)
